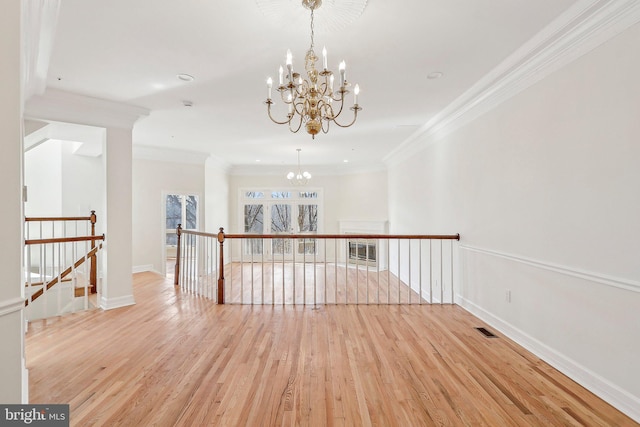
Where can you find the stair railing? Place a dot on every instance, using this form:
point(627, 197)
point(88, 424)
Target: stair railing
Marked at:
point(60, 251)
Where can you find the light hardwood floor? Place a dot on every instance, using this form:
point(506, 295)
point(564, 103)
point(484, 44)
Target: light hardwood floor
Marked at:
point(174, 359)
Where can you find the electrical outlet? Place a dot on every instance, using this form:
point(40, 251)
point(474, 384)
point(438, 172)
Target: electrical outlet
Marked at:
point(508, 295)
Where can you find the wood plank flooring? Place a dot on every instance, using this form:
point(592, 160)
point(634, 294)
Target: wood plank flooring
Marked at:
point(175, 359)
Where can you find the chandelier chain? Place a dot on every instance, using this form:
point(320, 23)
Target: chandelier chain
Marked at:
point(312, 33)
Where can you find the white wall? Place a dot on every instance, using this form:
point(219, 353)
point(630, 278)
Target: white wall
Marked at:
point(360, 196)
point(43, 178)
point(152, 181)
point(544, 190)
point(83, 184)
point(61, 183)
point(216, 206)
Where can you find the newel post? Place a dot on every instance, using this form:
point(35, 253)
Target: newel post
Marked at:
point(176, 273)
point(221, 267)
point(93, 274)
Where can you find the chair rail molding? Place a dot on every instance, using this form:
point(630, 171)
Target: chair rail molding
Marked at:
point(617, 282)
point(11, 306)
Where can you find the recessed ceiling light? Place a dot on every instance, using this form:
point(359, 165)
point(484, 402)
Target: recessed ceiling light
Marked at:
point(258, 160)
point(346, 161)
point(435, 75)
point(185, 77)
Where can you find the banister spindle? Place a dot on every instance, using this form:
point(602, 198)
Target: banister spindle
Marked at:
point(93, 275)
point(176, 272)
point(221, 267)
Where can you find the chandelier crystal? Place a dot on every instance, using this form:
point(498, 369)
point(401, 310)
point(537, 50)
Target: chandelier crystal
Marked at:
point(299, 177)
point(312, 100)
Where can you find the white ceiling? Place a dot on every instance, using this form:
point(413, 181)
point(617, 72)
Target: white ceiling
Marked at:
point(130, 51)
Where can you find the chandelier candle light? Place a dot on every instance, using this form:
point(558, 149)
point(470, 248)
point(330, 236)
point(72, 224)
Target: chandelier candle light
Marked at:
point(311, 99)
point(299, 178)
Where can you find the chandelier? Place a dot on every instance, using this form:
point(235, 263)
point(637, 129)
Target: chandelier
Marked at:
point(312, 100)
point(299, 178)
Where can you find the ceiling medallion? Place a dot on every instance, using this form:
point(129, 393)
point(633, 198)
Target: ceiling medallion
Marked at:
point(311, 99)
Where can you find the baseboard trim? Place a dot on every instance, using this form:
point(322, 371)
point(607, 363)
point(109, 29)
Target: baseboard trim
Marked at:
point(117, 302)
point(617, 282)
point(609, 392)
point(143, 268)
point(11, 306)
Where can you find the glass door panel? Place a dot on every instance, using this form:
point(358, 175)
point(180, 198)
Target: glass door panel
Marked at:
point(253, 223)
point(307, 223)
point(173, 217)
point(281, 223)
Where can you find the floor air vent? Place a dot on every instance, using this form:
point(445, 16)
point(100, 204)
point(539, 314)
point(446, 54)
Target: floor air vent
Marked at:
point(487, 333)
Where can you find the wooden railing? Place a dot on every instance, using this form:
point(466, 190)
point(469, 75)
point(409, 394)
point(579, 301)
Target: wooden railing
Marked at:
point(55, 249)
point(317, 268)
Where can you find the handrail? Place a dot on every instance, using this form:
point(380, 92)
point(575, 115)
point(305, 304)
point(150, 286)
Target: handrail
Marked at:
point(323, 236)
point(59, 218)
point(63, 240)
point(221, 236)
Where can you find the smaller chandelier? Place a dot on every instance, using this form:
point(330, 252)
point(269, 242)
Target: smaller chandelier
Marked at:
point(312, 100)
point(299, 178)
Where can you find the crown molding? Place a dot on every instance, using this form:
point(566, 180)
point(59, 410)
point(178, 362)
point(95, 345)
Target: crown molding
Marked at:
point(60, 106)
point(580, 29)
point(163, 154)
point(315, 170)
point(39, 22)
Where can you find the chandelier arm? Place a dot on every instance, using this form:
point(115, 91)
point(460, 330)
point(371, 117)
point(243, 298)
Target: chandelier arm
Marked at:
point(355, 109)
point(274, 120)
point(299, 108)
point(322, 126)
point(341, 99)
point(299, 125)
point(326, 110)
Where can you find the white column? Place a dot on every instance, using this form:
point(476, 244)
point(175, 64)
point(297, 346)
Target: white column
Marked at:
point(14, 385)
point(117, 285)
point(117, 119)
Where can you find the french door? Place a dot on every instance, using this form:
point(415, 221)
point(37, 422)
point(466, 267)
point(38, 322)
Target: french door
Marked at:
point(280, 212)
